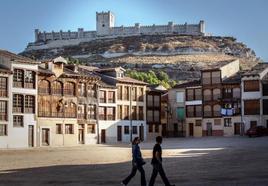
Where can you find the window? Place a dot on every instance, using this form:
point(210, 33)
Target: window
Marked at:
point(216, 110)
point(91, 129)
point(265, 89)
point(69, 89)
point(43, 87)
point(92, 91)
point(102, 113)
point(179, 97)
point(227, 122)
point(58, 128)
point(236, 93)
point(134, 130)
point(29, 79)
point(190, 94)
point(134, 113)
point(190, 111)
point(29, 104)
point(206, 78)
point(217, 121)
point(149, 115)
point(18, 103)
point(70, 110)
point(81, 111)
point(156, 128)
point(149, 100)
point(44, 107)
point(69, 129)
point(198, 123)
point(251, 107)
point(227, 93)
point(150, 128)
point(216, 94)
point(140, 94)
point(3, 130)
point(110, 113)
point(57, 107)
point(111, 97)
point(156, 116)
point(207, 111)
point(126, 129)
point(207, 95)
point(56, 88)
point(18, 78)
point(3, 87)
point(198, 94)
point(141, 115)
point(119, 93)
point(156, 101)
point(251, 86)
point(126, 93)
point(82, 89)
point(126, 112)
point(134, 94)
point(265, 106)
point(17, 121)
point(92, 111)
point(102, 96)
point(216, 77)
point(3, 110)
point(198, 111)
point(119, 112)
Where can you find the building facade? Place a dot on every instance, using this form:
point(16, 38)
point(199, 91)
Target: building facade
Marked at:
point(18, 101)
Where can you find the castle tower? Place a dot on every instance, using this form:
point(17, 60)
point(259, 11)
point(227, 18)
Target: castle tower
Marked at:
point(104, 21)
point(202, 26)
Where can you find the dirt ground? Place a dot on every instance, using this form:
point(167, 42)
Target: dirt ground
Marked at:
point(192, 161)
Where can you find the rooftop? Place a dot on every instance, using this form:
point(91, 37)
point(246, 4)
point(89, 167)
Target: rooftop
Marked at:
point(256, 70)
point(14, 57)
point(188, 84)
point(218, 65)
point(234, 79)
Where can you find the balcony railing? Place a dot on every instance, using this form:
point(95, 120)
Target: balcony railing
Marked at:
point(110, 117)
point(82, 116)
point(207, 113)
point(44, 114)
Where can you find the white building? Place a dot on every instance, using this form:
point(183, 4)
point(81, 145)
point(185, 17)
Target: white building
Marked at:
point(18, 107)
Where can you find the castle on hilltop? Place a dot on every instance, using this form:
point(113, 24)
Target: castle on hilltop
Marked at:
point(105, 28)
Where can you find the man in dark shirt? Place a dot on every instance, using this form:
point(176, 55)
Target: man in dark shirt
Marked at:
point(157, 163)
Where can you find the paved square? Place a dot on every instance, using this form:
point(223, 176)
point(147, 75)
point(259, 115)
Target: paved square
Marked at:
point(192, 161)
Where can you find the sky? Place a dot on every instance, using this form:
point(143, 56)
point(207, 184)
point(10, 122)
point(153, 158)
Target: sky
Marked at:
point(244, 19)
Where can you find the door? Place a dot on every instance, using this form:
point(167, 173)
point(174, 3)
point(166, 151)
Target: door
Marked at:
point(31, 135)
point(81, 136)
point(103, 136)
point(191, 129)
point(45, 137)
point(266, 123)
point(253, 124)
point(209, 129)
point(141, 132)
point(164, 130)
point(237, 128)
point(119, 133)
point(176, 130)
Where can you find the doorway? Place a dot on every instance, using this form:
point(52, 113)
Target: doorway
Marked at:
point(164, 130)
point(81, 136)
point(237, 128)
point(119, 133)
point(103, 136)
point(191, 129)
point(31, 136)
point(209, 129)
point(45, 137)
point(141, 132)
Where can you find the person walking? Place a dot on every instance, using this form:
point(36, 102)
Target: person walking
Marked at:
point(157, 163)
point(137, 163)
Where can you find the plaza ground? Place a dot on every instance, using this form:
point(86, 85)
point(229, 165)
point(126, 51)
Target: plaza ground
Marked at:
point(187, 161)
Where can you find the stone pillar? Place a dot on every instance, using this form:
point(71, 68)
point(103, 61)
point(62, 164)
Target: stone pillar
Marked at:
point(36, 33)
point(80, 33)
point(45, 37)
